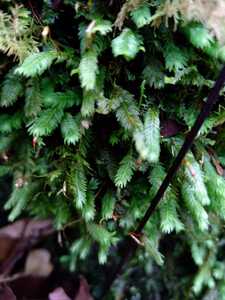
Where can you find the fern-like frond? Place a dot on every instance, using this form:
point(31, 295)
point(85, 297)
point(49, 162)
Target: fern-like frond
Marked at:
point(151, 239)
point(88, 69)
point(194, 175)
point(33, 98)
point(70, 128)
point(19, 198)
point(141, 15)
point(127, 44)
point(196, 209)
point(11, 90)
point(88, 209)
point(198, 35)
point(216, 187)
point(118, 96)
point(36, 63)
point(168, 214)
point(79, 249)
point(152, 249)
point(154, 75)
point(99, 234)
point(45, 122)
point(169, 219)
point(108, 205)
point(16, 33)
point(78, 185)
point(99, 25)
point(128, 115)
point(88, 103)
point(9, 123)
point(152, 135)
point(175, 58)
point(125, 171)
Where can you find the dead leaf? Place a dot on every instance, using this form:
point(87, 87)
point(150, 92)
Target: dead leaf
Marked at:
point(83, 292)
point(6, 293)
point(27, 228)
point(6, 245)
point(18, 237)
point(31, 287)
point(38, 263)
point(58, 294)
point(170, 128)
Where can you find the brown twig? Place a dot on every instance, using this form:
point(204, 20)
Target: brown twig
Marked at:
point(12, 278)
point(16, 254)
point(71, 223)
point(35, 13)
